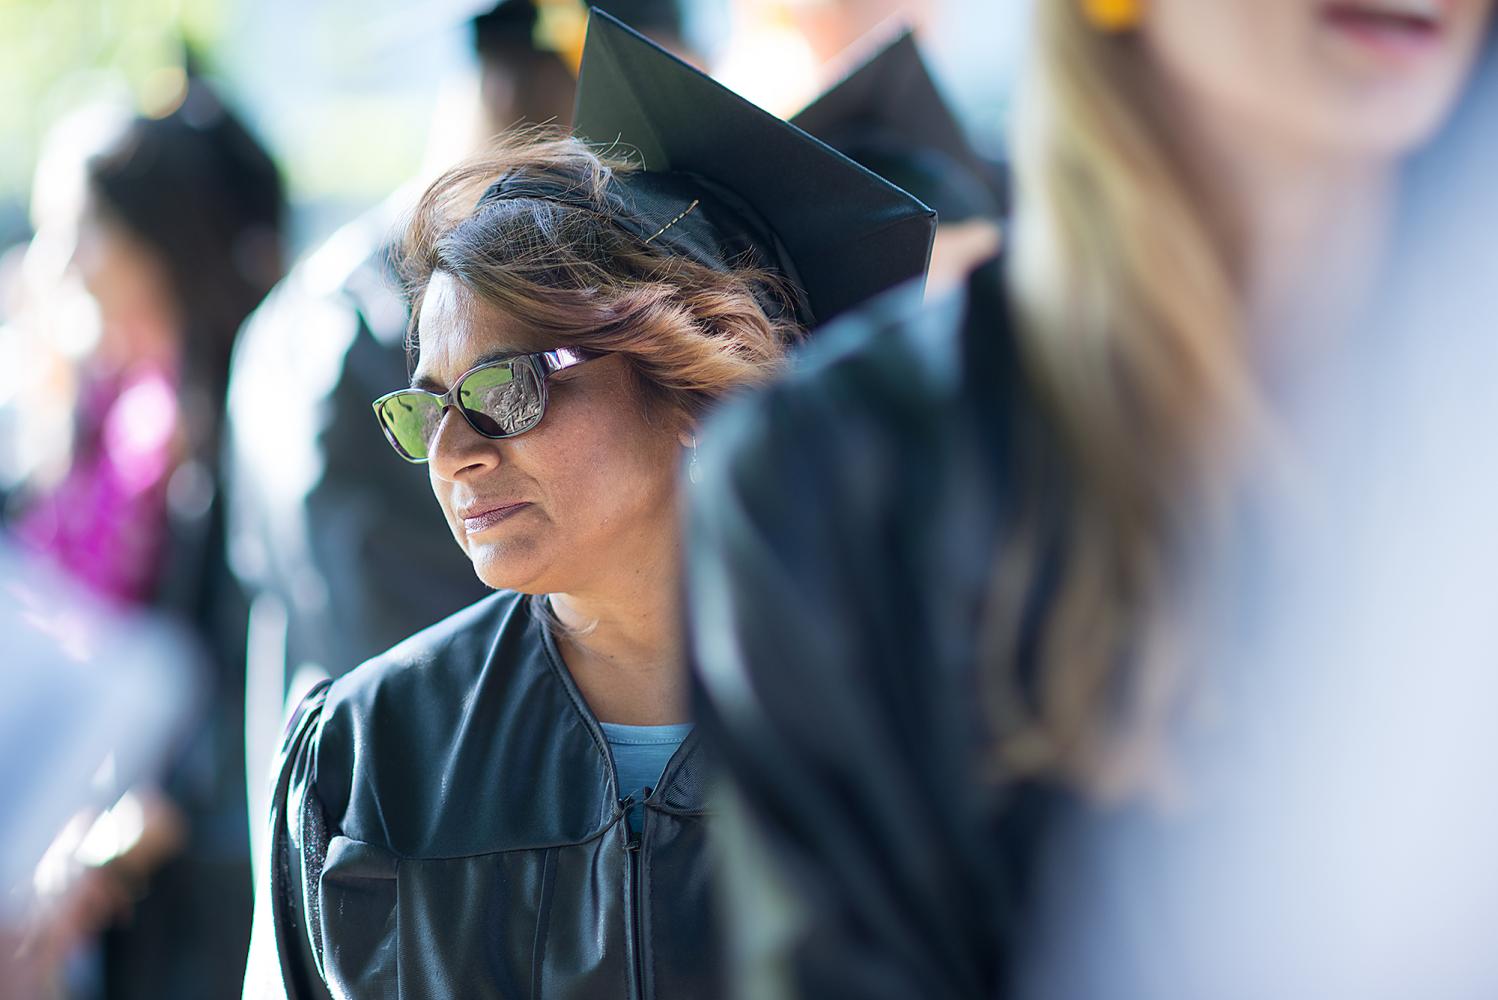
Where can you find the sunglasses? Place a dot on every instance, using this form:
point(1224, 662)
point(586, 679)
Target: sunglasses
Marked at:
point(499, 399)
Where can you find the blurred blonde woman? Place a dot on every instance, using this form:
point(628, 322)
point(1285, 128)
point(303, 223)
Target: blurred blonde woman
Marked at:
point(935, 575)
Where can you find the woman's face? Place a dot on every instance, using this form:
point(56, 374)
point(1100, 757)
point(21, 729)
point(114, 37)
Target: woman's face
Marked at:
point(583, 502)
point(1340, 78)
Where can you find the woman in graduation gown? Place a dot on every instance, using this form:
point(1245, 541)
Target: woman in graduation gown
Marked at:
point(932, 574)
point(511, 803)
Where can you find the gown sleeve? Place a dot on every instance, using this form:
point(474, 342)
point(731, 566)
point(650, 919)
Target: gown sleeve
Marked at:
point(285, 944)
point(813, 599)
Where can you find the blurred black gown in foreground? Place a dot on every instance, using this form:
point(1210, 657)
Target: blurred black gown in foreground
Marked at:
point(841, 544)
point(839, 675)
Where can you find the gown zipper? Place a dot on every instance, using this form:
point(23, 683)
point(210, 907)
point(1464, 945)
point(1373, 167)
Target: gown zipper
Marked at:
point(633, 843)
point(636, 888)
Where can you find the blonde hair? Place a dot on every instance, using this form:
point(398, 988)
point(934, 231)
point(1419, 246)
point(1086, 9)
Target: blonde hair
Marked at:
point(1125, 284)
point(568, 274)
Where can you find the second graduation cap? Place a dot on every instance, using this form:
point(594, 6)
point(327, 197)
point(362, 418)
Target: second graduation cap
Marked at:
point(839, 233)
point(889, 115)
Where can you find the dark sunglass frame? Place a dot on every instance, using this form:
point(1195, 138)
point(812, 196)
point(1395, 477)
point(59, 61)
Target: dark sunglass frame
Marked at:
point(542, 365)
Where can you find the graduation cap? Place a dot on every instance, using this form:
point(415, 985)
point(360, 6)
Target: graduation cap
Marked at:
point(889, 115)
point(721, 175)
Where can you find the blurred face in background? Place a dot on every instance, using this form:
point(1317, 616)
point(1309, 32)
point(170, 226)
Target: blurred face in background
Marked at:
point(830, 26)
point(128, 282)
point(1322, 79)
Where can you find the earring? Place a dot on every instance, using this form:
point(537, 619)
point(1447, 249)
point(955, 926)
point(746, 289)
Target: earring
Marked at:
point(694, 473)
point(1113, 16)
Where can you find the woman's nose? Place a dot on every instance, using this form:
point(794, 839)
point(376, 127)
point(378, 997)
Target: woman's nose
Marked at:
point(457, 450)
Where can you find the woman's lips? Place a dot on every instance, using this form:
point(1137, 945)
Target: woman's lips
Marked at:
point(1393, 30)
point(486, 519)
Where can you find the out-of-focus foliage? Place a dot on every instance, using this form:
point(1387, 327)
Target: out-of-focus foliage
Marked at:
point(55, 54)
point(346, 92)
point(341, 91)
point(355, 97)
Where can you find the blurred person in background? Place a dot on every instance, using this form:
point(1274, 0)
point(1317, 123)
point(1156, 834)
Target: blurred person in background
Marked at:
point(511, 801)
point(326, 535)
point(177, 239)
point(832, 27)
point(941, 580)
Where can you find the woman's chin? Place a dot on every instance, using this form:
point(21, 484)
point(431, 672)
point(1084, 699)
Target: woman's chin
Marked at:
point(504, 579)
point(503, 563)
point(507, 573)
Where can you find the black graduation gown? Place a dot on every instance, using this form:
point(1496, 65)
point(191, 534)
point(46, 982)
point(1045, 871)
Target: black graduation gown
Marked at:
point(447, 823)
point(327, 527)
point(840, 546)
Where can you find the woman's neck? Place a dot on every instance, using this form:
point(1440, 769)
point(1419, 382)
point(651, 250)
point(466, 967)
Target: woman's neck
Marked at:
point(621, 643)
point(1311, 225)
point(1314, 239)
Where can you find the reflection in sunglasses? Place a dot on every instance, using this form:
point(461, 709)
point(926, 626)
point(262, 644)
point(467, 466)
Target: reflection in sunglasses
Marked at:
point(497, 399)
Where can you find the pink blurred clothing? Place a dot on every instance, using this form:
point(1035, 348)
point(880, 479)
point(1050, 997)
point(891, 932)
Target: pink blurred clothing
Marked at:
point(106, 522)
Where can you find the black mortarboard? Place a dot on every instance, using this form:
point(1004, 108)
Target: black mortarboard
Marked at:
point(721, 173)
point(889, 115)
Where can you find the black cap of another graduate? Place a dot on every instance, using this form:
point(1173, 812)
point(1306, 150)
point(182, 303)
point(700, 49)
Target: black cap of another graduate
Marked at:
point(512, 22)
point(721, 173)
point(517, 23)
point(889, 115)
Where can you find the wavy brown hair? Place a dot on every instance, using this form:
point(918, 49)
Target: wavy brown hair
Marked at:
point(568, 273)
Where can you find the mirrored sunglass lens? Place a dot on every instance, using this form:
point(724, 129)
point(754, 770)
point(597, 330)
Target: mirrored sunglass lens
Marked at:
point(502, 399)
point(412, 420)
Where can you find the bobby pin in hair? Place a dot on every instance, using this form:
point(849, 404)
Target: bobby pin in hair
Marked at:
point(683, 215)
